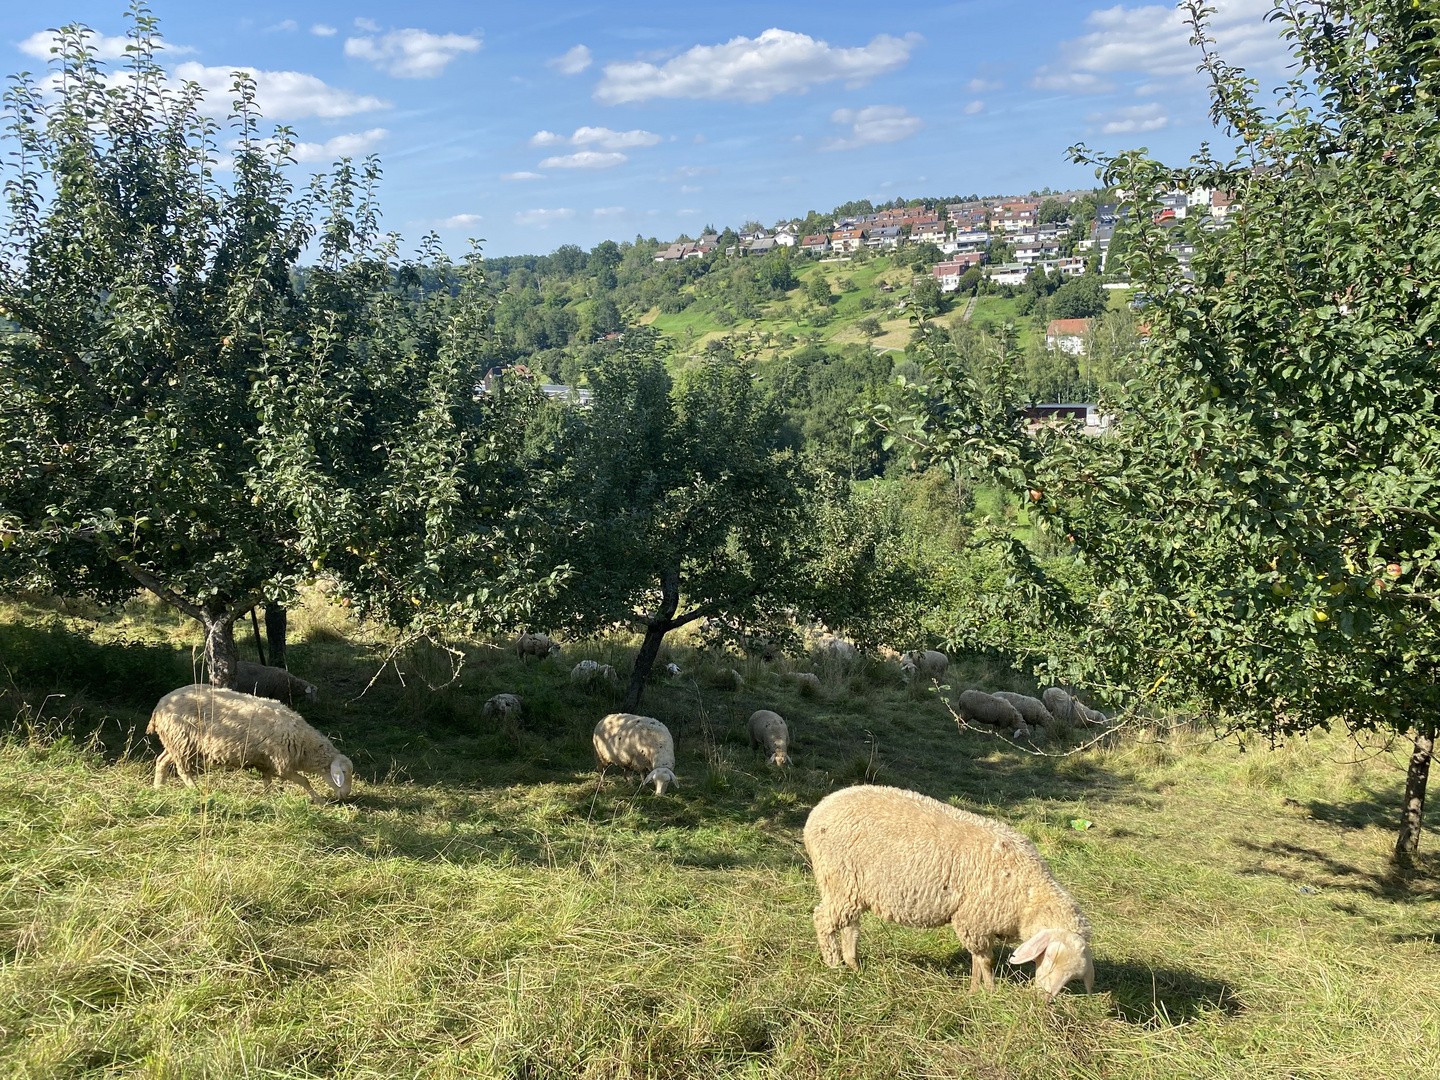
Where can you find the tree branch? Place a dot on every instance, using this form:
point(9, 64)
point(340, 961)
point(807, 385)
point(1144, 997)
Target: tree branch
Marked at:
point(151, 582)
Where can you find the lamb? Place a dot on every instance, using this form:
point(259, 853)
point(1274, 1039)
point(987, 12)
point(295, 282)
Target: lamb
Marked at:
point(918, 862)
point(587, 673)
point(1032, 709)
point(768, 731)
point(502, 707)
point(272, 682)
point(983, 708)
point(1070, 710)
point(926, 663)
point(204, 726)
point(637, 744)
point(538, 645)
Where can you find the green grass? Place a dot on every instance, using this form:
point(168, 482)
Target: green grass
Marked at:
point(483, 909)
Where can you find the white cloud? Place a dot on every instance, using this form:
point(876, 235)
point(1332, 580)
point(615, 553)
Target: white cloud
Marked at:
point(1155, 40)
point(353, 145)
point(285, 25)
point(606, 139)
point(411, 53)
point(281, 95)
point(584, 159)
point(522, 176)
point(610, 211)
point(104, 46)
point(572, 61)
point(753, 69)
point(546, 138)
point(460, 221)
point(543, 218)
point(873, 124)
point(1132, 119)
point(982, 86)
point(321, 30)
point(369, 25)
point(974, 107)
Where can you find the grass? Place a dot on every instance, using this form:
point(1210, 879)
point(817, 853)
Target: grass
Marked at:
point(483, 909)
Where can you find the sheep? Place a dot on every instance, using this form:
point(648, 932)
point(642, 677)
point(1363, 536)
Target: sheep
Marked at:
point(637, 744)
point(807, 681)
point(1032, 709)
point(201, 726)
point(672, 670)
point(538, 645)
point(502, 707)
point(918, 862)
point(1071, 710)
point(837, 648)
point(272, 682)
point(768, 731)
point(587, 673)
point(980, 707)
point(926, 663)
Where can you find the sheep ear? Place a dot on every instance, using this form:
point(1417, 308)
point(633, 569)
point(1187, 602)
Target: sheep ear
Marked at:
point(337, 773)
point(1032, 948)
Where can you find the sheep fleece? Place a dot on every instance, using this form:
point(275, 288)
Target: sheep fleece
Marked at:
point(272, 682)
point(634, 743)
point(1032, 709)
point(982, 707)
point(928, 662)
point(768, 730)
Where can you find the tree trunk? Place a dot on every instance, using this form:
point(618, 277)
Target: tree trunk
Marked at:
point(259, 645)
point(655, 631)
point(275, 627)
point(1408, 843)
point(221, 653)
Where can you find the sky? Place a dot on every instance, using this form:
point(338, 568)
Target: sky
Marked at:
point(531, 125)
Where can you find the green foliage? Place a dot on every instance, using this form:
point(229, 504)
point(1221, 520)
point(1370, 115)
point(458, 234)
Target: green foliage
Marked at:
point(818, 289)
point(1081, 297)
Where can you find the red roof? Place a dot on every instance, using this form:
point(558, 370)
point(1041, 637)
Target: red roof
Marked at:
point(1067, 328)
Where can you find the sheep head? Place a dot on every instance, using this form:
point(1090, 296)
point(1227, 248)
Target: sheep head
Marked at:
point(661, 776)
point(781, 756)
point(339, 775)
point(1064, 956)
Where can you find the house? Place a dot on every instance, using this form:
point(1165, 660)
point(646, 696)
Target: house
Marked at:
point(817, 244)
point(975, 240)
point(847, 240)
point(1067, 335)
point(761, 244)
point(884, 236)
point(710, 238)
point(1070, 267)
point(673, 252)
point(1221, 203)
point(948, 274)
point(929, 231)
point(1007, 273)
point(786, 237)
point(1060, 413)
point(1034, 252)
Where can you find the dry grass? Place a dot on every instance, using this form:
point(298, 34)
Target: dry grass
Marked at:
point(482, 909)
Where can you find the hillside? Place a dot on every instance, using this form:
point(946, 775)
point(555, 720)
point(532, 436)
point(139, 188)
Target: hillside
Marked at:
point(483, 908)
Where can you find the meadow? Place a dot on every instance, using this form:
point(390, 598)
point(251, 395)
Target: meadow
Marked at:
point(484, 908)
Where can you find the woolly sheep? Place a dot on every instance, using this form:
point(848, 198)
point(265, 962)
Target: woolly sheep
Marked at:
point(983, 708)
point(637, 744)
point(808, 680)
point(502, 707)
point(538, 645)
point(926, 663)
point(918, 862)
point(837, 648)
point(1032, 709)
point(272, 682)
point(673, 670)
point(1069, 709)
point(203, 726)
point(587, 673)
point(769, 732)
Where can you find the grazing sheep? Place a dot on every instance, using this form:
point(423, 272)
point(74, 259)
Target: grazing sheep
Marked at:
point(768, 731)
point(736, 681)
point(979, 707)
point(587, 673)
point(637, 744)
point(1070, 710)
point(837, 648)
point(537, 645)
point(1032, 709)
point(273, 682)
point(502, 707)
point(926, 663)
point(673, 670)
point(807, 681)
point(918, 862)
point(205, 726)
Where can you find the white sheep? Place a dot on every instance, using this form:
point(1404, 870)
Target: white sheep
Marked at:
point(272, 682)
point(1070, 710)
point(837, 648)
point(205, 726)
point(769, 732)
point(537, 645)
point(1032, 709)
point(925, 663)
point(918, 862)
point(979, 707)
point(587, 673)
point(502, 707)
point(672, 670)
point(639, 744)
point(807, 681)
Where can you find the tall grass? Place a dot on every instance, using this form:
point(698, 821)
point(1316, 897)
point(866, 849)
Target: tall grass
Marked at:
point(484, 908)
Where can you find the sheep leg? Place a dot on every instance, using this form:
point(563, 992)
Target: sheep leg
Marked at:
point(297, 778)
point(162, 766)
point(982, 960)
point(825, 932)
point(183, 769)
point(850, 942)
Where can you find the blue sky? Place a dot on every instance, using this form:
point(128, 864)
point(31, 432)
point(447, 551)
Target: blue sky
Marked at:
point(533, 125)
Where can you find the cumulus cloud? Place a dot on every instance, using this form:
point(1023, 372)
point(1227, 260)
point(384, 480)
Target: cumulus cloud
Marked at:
point(982, 86)
point(546, 138)
point(572, 61)
point(281, 95)
point(460, 221)
point(543, 218)
point(522, 176)
point(873, 124)
point(352, 145)
point(1133, 119)
point(411, 53)
point(285, 26)
point(1154, 40)
point(584, 159)
point(753, 69)
point(610, 211)
point(106, 47)
point(974, 107)
point(321, 30)
point(606, 139)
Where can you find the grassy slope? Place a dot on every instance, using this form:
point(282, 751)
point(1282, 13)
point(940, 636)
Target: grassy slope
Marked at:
point(482, 909)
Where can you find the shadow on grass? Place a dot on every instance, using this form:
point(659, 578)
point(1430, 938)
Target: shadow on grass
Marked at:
point(1158, 995)
point(1305, 866)
point(1377, 809)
